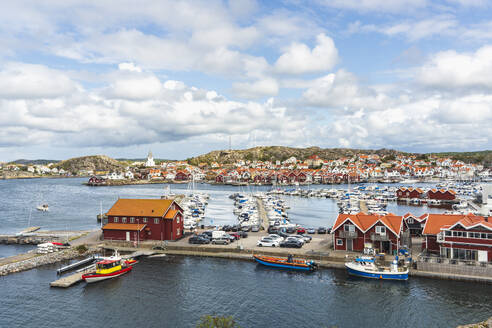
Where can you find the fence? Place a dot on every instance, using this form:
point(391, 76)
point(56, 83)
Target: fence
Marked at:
point(451, 266)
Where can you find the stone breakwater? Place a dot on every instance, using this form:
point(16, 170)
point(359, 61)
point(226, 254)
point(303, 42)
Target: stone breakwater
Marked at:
point(36, 260)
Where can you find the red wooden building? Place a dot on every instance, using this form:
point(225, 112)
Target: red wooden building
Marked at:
point(404, 193)
point(463, 237)
point(144, 219)
point(182, 176)
point(441, 194)
point(353, 232)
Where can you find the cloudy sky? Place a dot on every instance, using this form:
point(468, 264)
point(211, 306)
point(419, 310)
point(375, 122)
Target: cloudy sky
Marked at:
point(182, 77)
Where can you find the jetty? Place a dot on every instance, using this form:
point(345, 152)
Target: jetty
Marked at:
point(72, 279)
point(262, 213)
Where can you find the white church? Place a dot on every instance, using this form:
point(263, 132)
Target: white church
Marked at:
point(150, 160)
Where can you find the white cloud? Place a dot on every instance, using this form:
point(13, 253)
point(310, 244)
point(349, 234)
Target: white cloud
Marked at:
point(136, 87)
point(413, 30)
point(342, 90)
point(129, 67)
point(134, 108)
point(299, 59)
point(393, 6)
point(20, 80)
point(452, 70)
point(261, 88)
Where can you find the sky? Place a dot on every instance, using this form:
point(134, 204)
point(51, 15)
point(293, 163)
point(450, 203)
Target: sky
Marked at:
point(182, 78)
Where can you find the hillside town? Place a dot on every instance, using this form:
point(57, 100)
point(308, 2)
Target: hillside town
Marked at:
point(311, 170)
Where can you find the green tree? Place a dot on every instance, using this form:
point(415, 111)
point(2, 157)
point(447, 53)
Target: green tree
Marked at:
point(208, 321)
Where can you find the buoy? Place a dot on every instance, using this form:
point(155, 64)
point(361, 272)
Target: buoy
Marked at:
point(380, 277)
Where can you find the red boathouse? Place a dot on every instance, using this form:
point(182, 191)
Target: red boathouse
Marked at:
point(144, 219)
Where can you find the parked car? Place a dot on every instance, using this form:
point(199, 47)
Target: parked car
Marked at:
point(307, 238)
point(208, 233)
point(272, 229)
point(291, 243)
point(311, 230)
point(255, 228)
point(236, 235)
point(243, 234)
point(297, 237)
point(204, 235)
point(321, 230)
point(198, 240)
point(226, 228)
point(246, 228)
point(230, 237)
point(283, 234)
point(266, 241)
point(301, 230)
point(235, 228)
point(222, 240)
point(290, 230)
point(275, 237)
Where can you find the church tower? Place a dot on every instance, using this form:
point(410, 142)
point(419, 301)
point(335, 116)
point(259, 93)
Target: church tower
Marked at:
point(150, 160)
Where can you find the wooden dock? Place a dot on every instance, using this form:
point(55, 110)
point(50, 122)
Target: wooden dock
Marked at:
point(67, 281)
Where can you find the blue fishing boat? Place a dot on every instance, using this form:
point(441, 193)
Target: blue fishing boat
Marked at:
point(365, 266)
point(286, 263)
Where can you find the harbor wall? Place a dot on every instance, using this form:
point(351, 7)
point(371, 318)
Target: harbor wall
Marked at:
point(30, 261)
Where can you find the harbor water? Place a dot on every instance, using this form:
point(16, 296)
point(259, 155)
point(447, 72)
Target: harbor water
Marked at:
point(176, 291)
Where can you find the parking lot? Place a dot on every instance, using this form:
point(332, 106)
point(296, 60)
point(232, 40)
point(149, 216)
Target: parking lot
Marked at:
point(320, 243)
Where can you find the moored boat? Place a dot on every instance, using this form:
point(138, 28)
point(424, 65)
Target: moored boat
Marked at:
point(109, 268)
point(365, 266)
point(286, 263)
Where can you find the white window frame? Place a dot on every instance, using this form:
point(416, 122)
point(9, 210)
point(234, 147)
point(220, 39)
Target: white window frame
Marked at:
point(115, 219)
point(381, 230)
point(132, 220)
point(349, 227)
point(144, 220)
point(339, 242)
point(156, 220)
point(123, 220)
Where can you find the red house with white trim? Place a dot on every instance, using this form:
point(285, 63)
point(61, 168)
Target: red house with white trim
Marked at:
point(353, 232)
point(144, 219)
point(463, 237)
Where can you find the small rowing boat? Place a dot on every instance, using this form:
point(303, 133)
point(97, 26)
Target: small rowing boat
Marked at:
point(286, 263)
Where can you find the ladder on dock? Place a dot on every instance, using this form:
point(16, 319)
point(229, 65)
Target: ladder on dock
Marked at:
point(75, 265)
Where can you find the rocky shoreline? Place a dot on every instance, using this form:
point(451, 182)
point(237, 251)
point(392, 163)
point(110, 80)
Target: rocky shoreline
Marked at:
point(483, 324)
point(38, 260)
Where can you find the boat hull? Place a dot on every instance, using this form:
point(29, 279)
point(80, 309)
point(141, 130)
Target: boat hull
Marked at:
point(93, 277)
point(377, 275)
point(282, 265)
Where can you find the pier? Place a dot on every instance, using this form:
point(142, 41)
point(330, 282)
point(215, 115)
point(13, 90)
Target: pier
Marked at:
point(262, 213)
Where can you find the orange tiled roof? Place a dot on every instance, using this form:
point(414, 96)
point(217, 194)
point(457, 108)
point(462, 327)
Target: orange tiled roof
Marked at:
point(124, 226)
point(140, 207)
point(364, 221)
point(171, 214)
point(436, 221)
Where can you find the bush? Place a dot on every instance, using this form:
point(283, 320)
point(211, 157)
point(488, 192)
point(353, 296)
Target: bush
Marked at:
point(81, 249)
point(208, 321)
